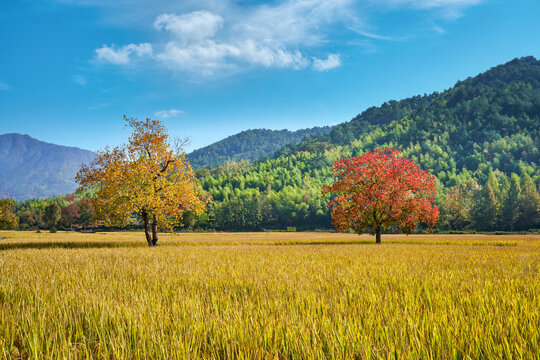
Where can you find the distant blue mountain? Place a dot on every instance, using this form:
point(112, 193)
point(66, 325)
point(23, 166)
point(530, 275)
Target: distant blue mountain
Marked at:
point(30, 168)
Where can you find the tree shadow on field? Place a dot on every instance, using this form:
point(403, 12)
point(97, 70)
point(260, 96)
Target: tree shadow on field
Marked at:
point(71, 245)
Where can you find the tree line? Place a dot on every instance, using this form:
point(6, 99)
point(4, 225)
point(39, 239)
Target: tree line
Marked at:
point(254, 199)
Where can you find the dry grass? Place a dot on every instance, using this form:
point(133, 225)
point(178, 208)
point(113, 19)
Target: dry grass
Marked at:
point(267, 295)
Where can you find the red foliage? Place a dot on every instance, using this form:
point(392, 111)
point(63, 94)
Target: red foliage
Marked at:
point(71, 212)
point(380, 190)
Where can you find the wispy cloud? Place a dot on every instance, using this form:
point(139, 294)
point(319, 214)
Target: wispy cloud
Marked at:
point(78, 79)
point(123, 55)
point(450, 9)
point(4, 86)
point(438, 29)
point(332, 61)
point(192, 27)
point(433, 3)
point(165, 114)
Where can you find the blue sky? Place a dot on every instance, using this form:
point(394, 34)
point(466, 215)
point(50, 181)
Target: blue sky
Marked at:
point(70, 69)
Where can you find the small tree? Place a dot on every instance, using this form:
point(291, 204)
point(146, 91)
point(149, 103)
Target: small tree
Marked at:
point(86, 212)
point(70, 214)
point(27, 219)
point(510, 208)
point(145, 176)
point(381, 190)
point(529, 204)
point(488, 205)
point(8, 220)
point(458, 203)
point(52, 215)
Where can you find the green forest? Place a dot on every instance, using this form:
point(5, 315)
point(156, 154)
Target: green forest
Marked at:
point(480, 138)
point(249, 145)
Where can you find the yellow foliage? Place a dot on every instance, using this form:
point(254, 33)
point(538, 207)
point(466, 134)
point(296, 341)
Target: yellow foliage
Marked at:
point(8, 220)
point(145, 176)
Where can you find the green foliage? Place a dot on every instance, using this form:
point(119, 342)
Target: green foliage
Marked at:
point(510, 209)
point(243, 213)
point(250, 145)
point(52, 215)
point(472, 137)
point(490, 121)
point(529, 204)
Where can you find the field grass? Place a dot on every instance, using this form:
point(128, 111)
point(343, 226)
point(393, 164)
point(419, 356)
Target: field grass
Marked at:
point(269, 295)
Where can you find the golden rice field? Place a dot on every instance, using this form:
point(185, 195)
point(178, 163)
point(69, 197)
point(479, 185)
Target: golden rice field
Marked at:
point(269, 295)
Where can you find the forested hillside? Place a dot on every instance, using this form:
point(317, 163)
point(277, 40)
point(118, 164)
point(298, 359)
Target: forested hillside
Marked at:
point(481, 139)
point(249, 145)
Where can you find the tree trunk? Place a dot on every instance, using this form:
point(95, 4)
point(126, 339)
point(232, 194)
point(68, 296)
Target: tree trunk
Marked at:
point(144, 215)
point(378, 236)
point(154, 230)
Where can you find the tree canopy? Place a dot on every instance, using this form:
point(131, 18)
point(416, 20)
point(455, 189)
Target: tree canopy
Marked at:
point(146, 177)
point(8, 219)
point(381, 190)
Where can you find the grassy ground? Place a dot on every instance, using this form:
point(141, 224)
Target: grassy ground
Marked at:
point(268, 295)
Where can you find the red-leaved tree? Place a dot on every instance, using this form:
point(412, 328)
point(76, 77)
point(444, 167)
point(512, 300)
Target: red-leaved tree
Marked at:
point(381, 190)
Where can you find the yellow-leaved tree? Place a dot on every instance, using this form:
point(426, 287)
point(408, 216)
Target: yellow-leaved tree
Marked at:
point(146, 176)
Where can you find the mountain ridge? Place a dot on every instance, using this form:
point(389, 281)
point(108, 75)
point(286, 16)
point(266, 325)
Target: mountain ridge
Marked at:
point(250, 145)
point(32, 168)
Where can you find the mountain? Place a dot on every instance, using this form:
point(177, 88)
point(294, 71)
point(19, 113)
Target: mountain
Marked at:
point(491, 120)
point(485, 127)
point(250, 145)
point(30, 168)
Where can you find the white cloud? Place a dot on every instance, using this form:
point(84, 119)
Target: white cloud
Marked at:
point(228, 37)
point(122, 56)
point(268, 56)
point(206, 42)
point(332, 61)
point(293, 22)
point(78, 79)
point(165, 114)
point(204, 57)
point(192, 27)
point(207, 57)
point(4, 86)
point(263, 36)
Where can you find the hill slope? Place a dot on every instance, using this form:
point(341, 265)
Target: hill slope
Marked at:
point(489, 124)
point(35, 169)
point(250, 145)
point(492, 119)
